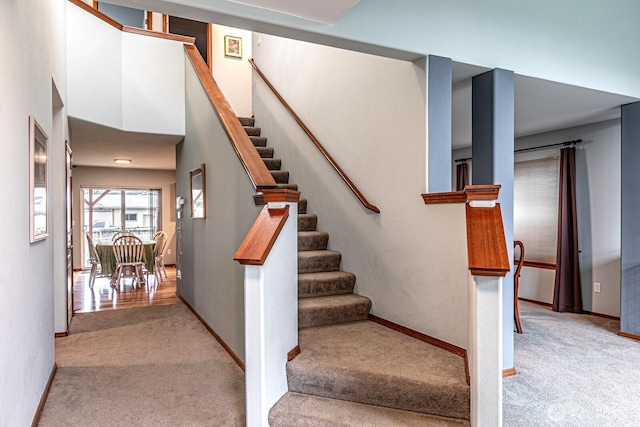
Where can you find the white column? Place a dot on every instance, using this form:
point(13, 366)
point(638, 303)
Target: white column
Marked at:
point(485, 350)
point(271, 322)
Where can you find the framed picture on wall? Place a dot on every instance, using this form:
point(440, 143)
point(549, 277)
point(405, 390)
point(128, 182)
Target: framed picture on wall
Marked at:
point(233, 46)
point(38, 189)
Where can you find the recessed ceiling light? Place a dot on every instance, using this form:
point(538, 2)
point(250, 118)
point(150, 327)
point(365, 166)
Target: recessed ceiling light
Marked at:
point(124, 161)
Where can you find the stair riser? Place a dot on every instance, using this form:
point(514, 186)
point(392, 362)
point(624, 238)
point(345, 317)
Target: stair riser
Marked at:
point(307, 222)
point(247, 121)
point(312, 242)
point(302, 206)
point(281, 177)
point(252, 131)
point(258, 141)
point(309, 287)
point(387, 390)
point(308, 318)
point(265, 152)
point(328, 262)
point(273, 164)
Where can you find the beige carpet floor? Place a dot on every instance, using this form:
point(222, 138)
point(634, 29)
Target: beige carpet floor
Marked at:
point(154, 366)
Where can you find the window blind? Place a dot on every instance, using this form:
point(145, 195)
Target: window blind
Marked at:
point(536, 207)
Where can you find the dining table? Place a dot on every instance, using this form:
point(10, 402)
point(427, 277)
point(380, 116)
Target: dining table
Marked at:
point(108, 259)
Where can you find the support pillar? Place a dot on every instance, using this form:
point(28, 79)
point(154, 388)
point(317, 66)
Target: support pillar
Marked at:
point(492, 151)
point(439, 90)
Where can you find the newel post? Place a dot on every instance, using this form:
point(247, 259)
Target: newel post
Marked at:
point(488, 264)
point(269, 253)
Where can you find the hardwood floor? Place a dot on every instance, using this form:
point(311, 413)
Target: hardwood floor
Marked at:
point(104, 297)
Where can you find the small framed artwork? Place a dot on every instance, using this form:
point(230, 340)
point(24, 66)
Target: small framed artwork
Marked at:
point(198, 192)
point(38, 189)
point(233, 46)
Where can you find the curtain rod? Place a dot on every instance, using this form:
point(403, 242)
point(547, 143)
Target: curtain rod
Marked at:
point(542, 147)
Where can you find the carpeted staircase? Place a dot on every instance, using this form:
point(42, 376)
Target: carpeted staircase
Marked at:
point(352, 371)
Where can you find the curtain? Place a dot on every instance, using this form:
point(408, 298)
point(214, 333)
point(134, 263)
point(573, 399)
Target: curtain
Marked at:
point(462, 176)
point(566, 294)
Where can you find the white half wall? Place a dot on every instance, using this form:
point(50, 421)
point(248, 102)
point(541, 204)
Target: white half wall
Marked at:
point(33, 35)
point(369, 113)
point(233, 75)
point(122, 80)
point(164, 180)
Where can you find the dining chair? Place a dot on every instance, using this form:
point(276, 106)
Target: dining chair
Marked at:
point(94, 260)
point(158, 266)
point(516, 285)
point(129, 253)
point(120, 234)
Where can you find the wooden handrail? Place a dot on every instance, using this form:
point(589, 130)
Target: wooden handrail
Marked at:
point(486, 244)
point(317, 143)
point(256, 246)
point(127, 29)
point(253, 164)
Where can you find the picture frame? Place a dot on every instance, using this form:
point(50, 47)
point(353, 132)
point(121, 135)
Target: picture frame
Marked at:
point(233, 46)
point(38, 181)
point(198, 191)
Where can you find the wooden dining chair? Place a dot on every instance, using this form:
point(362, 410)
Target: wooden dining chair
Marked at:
point(516, 285)
point(158, 266)
point(94, 260)
point(120, 234)
point(129, 253)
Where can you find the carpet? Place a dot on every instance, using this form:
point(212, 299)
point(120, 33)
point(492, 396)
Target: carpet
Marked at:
point(153, 366)
point(572, 370)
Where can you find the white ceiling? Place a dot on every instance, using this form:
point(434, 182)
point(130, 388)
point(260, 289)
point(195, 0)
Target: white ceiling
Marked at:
point(96, 145)
point(325, 11)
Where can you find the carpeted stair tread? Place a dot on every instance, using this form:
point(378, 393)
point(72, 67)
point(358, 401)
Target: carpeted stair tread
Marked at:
point(304, 410)
point(368, 363)
point(273, 164)
point(247, 121)
point(259, 141)
point(314, 261)
point(252, 131)
point(332, 309)
point(312, 240)
point(265, 152)
point(307, 222)
point(281, 177)
point(325, 283)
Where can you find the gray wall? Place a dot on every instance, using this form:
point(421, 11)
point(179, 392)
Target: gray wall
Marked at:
point(164, 180)
point(212, 282)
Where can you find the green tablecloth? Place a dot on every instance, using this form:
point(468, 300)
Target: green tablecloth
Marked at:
point(108, 259)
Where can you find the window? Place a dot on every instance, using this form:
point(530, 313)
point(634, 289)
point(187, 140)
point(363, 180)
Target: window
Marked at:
point(131, 217)
point(535, 201)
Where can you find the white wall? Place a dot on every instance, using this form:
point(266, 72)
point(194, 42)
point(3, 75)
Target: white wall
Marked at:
point(164, 180)
point(122, 80)
point(369, 112)
point(212, 282)
point(233, 75)
point(33, 49)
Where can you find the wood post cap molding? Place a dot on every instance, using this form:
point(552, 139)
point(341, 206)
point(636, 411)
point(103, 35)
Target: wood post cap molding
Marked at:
point(470, 193)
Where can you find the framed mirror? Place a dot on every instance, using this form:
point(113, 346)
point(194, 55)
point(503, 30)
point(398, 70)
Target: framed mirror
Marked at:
point(198, 192)
point(38, 164)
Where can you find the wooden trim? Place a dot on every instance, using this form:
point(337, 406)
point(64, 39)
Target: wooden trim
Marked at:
point(61, 334)
point(166, 36)
point(165, 23)
point(317, 143)
point(536, 264)
point(255, 248)
point(604, 316)
point(149, 20)
point(78, 269)
point(276, 195)
point(251, 161)
point(215, 335)
point(210, 46)
point(295, 351)
point(95, 12)
point(509, 372)
point(45, 394)
point(627, 335)
point(486, 244)
point(458, 351)
point(470, 192)
point(546, 304)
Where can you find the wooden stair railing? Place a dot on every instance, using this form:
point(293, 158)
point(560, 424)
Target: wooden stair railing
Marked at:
point(317, 143)
point(253, 164)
